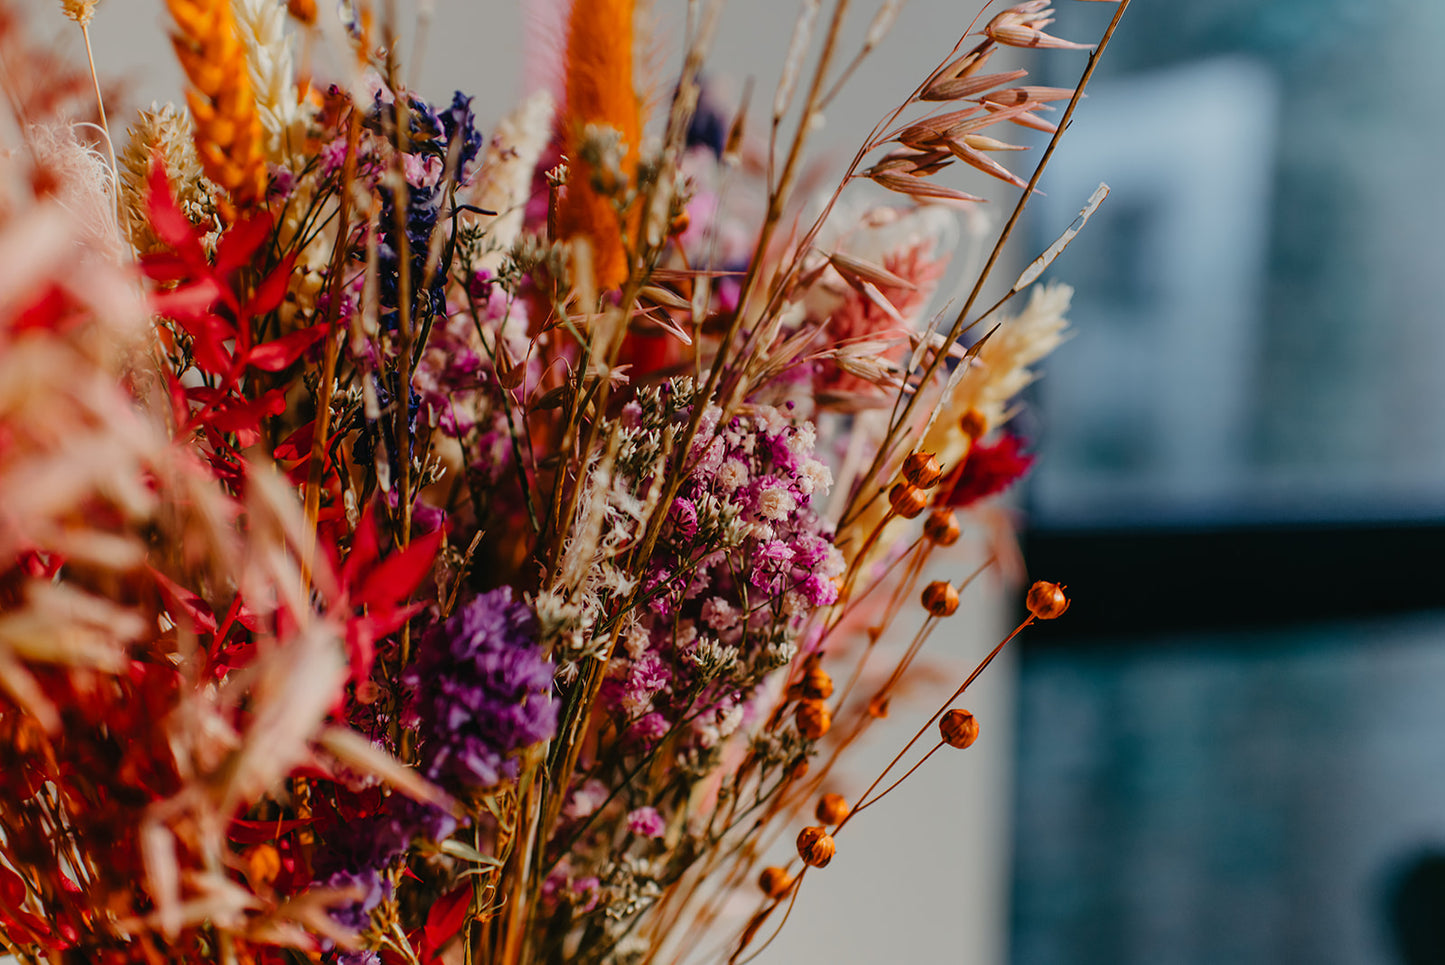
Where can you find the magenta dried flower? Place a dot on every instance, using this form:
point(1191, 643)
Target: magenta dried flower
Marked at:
point(645, 822)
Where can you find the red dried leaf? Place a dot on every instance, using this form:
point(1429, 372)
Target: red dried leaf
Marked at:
point(271, 291)
point(394, 579)
point(243, 416)
point(989, 469)
point(296, 446)
point(193, 301)
point(257, 832)
point(281, 353)
point(181, 600)
point(365, 546)
point(167, 219)
point(239, 244)
point(447, 916)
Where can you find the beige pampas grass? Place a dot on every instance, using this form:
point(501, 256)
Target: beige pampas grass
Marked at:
point(505, 178)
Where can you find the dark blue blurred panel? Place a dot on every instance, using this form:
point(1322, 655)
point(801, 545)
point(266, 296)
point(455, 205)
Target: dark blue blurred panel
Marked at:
point(1248, 799)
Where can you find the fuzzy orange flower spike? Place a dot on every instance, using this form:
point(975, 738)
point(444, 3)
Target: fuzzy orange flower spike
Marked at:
point(599, 92)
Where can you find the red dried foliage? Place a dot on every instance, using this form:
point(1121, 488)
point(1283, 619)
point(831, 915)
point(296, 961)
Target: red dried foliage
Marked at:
point(987, 470)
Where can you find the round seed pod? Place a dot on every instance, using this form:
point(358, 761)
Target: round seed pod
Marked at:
point(263, 864)
point(1046, 601)
point(303, 10)
point(832, 808)
point(973, 423)
point(941, 527)
point(940, 598)
point(815, 847)
point(775, 881)
point(922, 469)
point(958, 728)
point(817, 685)
point(878, 707)
point(798, 769)
point(813, 719)
point(907, 500)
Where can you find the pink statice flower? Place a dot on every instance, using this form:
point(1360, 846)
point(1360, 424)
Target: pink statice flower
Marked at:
point(645, 822)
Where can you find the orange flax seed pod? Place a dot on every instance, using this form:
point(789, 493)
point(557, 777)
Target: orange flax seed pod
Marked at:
point(598, 90)
point(228, 130)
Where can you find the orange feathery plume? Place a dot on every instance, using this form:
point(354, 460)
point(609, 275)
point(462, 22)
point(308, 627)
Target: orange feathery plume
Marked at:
point(598, 91)
point(228, 130)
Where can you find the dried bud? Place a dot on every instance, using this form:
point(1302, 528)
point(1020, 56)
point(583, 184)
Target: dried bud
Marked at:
point(817, 685)
point(798, 770)
point(941, 527)
point(303, 10)
point(775, 881)
point(907, 500)
point(878, 706)
point(832, 808)
point(815, 847)
point(959, 728)
point(940, 598)
point(263, 864)
point(680, 223)
point(1046, 601)
point(814, 719)
point(79, 10)
point(922, 469)
point(973, 424)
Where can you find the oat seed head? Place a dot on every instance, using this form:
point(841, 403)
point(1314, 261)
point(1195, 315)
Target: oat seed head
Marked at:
point(79, 10)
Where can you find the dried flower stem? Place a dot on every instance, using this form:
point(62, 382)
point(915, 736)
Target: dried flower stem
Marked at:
point(982, 666)
point(104, 126)
point(890, 439)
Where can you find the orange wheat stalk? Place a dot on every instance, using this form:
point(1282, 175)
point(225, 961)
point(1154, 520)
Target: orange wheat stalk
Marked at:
point(228, 131)
point(598, 86)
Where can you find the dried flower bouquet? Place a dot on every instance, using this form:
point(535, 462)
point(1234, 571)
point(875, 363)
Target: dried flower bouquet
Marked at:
point(418, 546)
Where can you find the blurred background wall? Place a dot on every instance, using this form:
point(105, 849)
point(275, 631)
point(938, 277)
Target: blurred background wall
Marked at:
point(1232, 751)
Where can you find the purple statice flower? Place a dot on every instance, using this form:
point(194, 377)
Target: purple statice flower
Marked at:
point(357, 914)
point(364, 956)
point(481, 691)
point(645, 822)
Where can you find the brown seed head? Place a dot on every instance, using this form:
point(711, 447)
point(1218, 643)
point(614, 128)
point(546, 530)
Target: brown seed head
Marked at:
point(798, 770)
point(922, 469)
point(940, 598)
point(907, 500)
point(817, 685)
point(813, 718)
point(878, 706)
point(1046, 601)
point(815, 847)
point(832, 808)
point(958, 728)
point(974, 423)
point(775, 881)
point(941, 527)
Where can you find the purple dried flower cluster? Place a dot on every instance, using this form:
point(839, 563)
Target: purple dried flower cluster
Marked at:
point(482, 691)
point(743, 560)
